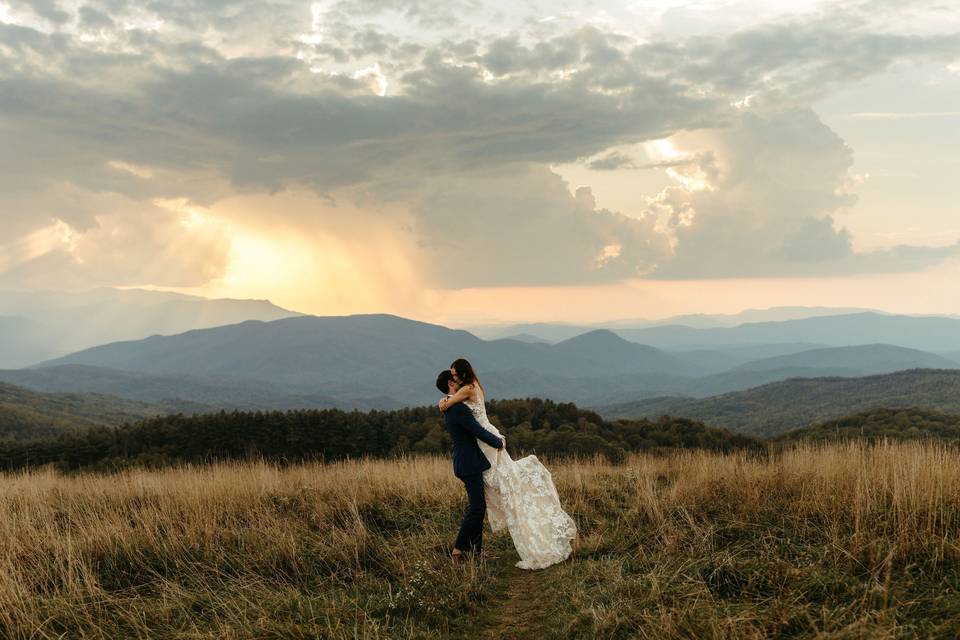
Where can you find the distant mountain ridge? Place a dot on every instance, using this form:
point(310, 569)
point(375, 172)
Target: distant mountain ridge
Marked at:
point(872, 358)
point(554, 332)
point(52, 324)
point(926, 333)
point(371, 356)
point(526, 337)
point(772, 314)
point(181, 392)
point(609, 351)
point(777, 407)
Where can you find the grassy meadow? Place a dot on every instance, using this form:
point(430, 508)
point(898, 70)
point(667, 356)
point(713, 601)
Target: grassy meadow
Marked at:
point(833, 541)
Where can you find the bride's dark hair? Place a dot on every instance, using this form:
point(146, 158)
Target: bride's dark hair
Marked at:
point(465, 372)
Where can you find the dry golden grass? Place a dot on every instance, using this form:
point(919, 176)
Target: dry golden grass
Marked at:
point(843, 541)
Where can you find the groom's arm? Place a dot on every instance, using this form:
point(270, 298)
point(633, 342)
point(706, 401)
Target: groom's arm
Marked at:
point(468, 422)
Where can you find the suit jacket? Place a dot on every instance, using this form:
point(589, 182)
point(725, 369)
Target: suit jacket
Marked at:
point(464, 430)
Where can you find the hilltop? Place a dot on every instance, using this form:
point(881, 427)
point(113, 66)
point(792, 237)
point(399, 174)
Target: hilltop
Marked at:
point(28, 414)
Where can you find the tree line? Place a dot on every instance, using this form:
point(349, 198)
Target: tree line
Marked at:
point(908, 423)
point(535, 426)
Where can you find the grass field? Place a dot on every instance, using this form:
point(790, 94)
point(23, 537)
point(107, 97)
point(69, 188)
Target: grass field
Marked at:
point(843, 541)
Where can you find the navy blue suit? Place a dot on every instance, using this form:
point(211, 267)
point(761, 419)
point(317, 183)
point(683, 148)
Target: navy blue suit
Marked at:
point(469, 463)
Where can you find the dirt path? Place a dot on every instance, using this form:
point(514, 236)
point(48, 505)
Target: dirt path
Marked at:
point(520, 613)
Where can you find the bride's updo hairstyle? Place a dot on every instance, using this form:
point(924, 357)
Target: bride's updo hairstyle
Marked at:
point(465, 372)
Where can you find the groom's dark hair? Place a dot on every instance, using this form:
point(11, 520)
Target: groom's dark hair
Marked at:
point(443, 379)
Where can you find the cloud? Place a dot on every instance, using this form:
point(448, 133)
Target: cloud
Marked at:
point(611, 161)
point(48, 10)
point(130, 245)
point(909, 115)
point(521, 224)
point(816, 240)
point(795, 62)
point(766, 202)
point(410, 103)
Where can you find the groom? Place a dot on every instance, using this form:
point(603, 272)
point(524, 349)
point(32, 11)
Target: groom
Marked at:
point(469, 463)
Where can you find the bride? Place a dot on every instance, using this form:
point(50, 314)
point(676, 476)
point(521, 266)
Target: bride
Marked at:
point(520, 494)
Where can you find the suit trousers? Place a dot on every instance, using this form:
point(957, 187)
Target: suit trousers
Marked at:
point(470, 537)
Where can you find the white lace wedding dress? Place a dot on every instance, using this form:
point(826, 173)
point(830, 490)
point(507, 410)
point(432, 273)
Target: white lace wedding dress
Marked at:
point(521, 496)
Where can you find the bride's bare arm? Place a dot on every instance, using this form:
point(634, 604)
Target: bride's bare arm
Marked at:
point(462, 394)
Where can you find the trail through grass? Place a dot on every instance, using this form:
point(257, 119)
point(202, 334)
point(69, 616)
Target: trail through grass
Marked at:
point(522, 612)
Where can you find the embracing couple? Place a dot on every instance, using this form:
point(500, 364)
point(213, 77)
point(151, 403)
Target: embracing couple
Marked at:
point(518, 494)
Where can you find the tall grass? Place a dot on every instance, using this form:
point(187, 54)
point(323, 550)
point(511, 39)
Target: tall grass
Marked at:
point(816, 541)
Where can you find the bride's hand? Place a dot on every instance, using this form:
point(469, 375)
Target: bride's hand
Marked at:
point(442, 404)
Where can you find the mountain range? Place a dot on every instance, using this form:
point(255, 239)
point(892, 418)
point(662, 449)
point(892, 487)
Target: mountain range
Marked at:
point(382, 361)
point(37, 326)
point(938, 334)
point(790, 404)
point(928, 333)
point(357, 358)
point(181, 392)
point(871, 358)
point(285, 360)
point(556, 331)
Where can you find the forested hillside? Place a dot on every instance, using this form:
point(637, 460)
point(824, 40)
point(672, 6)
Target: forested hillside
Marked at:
point(27, 414)
point(912, 423)
point(531, 426)
point(778, 407)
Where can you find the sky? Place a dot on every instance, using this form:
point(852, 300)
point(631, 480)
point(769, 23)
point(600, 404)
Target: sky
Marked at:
point(461, 161)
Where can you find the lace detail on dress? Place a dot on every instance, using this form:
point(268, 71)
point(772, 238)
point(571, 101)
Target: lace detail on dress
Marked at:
point(521, 496)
